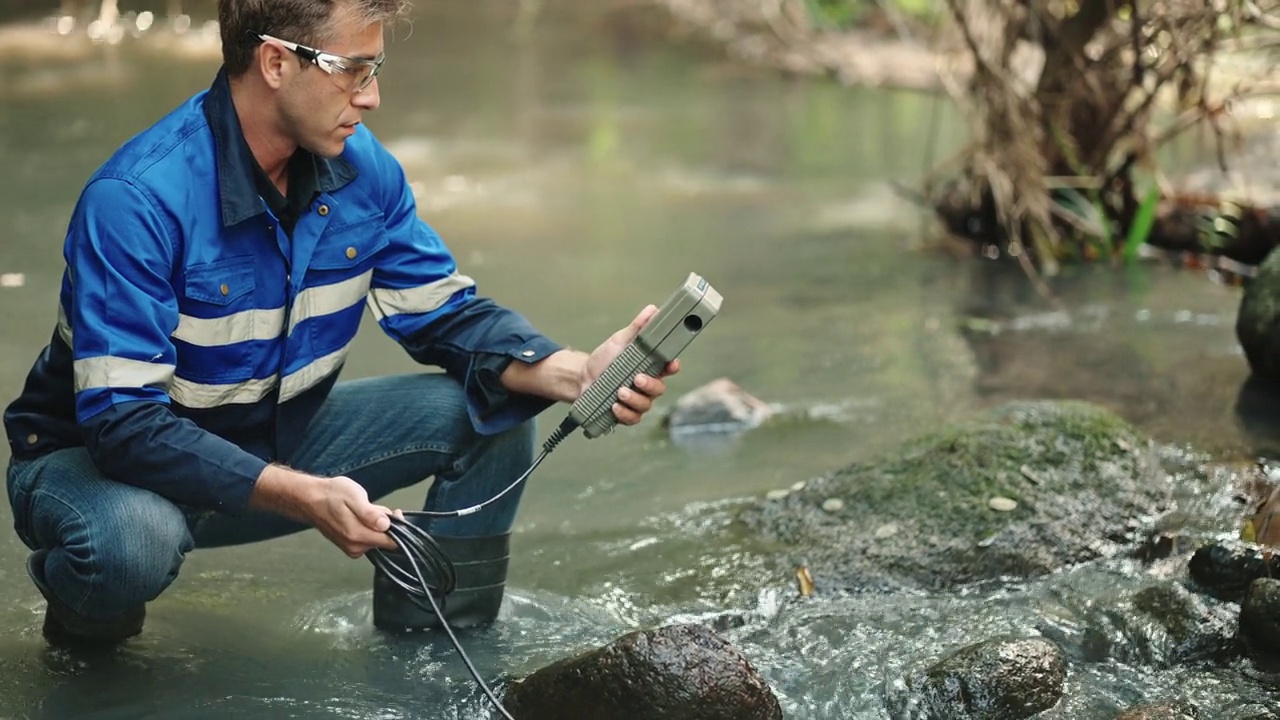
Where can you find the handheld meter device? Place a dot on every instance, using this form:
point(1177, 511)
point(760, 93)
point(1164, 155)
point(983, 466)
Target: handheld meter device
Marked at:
point(672, 328)
point(680, 319)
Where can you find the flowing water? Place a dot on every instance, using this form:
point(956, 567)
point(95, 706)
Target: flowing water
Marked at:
point(580, 170)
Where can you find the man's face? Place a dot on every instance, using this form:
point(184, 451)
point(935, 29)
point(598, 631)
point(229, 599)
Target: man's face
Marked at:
point(321, 110)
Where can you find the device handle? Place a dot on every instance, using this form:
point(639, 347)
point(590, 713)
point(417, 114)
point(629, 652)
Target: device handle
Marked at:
point(632, 361)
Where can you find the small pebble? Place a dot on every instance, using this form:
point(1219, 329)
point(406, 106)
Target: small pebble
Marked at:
point(833, 505)
point(776, 494)
point(798, 486)
point(887, 531)
point(1002, 504)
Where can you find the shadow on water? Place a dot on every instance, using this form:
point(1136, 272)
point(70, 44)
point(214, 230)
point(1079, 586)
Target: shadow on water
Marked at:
point(572, 161)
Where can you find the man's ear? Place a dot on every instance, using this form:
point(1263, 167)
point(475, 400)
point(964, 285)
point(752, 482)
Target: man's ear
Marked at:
point(273, 64)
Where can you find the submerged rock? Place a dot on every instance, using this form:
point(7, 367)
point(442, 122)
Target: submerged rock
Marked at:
point(1227, 571)
point(995, 680)
point(1160, 625)
point(1173, 626)
point(1082, 480)
point(1260, 615)
point(1166, 710)
point(680, 672)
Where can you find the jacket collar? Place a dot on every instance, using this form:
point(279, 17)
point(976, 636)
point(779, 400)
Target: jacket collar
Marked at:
point(235, 162)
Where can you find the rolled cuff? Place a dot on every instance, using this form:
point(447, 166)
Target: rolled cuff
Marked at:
point(493, 408)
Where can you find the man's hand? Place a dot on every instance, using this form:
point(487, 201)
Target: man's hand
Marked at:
point(338, 507)
point(566, 374)
point(632, 403)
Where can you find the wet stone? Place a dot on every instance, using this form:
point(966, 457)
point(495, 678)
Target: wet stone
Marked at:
point(1165, 710)
point(680, 672)
point(1258, 321)
point(1002, 504)
point(1260, 615)
point(1003, 679)
point(1227, 571)
point(833, 505)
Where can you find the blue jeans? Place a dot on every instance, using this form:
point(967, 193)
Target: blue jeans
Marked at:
point(113, 546)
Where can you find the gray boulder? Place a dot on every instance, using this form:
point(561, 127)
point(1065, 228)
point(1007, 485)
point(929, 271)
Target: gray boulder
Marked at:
point(680, 672)
point(720, 407)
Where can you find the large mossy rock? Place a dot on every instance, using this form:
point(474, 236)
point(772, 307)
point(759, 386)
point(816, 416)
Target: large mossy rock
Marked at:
point(679, 672)
point(935, 514)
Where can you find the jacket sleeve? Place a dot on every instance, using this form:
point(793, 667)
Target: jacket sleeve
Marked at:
point(121, 310)
point(421, 300)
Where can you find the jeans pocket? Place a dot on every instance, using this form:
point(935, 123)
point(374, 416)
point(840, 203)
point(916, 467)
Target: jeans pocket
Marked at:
point(20, 477)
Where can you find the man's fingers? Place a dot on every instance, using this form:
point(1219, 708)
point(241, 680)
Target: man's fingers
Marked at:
point(628, 333)
point(644, 317)
point(374, 517)
point(625, 415)
point(648, 386)
point(638, 402)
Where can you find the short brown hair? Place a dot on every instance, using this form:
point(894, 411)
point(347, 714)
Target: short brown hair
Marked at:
point(301, 21)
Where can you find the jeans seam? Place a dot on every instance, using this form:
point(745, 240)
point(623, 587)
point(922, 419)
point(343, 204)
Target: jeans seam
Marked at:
point(391, 455)
point(88, 529)
point(26, 498)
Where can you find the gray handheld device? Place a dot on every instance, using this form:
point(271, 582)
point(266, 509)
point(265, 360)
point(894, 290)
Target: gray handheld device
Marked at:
point(676, 324)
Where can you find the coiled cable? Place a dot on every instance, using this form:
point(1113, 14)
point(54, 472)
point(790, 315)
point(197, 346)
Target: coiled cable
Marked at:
point(426, 575)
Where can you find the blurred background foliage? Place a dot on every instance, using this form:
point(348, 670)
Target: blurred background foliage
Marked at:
point(844, 14)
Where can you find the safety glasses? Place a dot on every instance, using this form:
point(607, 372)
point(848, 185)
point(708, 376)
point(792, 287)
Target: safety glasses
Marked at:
point(353, 74)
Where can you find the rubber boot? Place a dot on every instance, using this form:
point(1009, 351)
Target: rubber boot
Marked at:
point(64, 626)
point(481, 567)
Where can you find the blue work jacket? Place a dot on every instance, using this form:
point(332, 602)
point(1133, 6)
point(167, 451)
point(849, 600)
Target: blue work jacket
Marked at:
point(196, 339)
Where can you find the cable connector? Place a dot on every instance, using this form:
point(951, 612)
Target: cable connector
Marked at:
point(567, 426)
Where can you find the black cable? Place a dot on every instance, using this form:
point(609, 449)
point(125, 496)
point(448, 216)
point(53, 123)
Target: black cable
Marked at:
point(421, 551)
point(430, 573)
point(567, 426)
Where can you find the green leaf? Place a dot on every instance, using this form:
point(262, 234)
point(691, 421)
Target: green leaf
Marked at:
point(1143, 220)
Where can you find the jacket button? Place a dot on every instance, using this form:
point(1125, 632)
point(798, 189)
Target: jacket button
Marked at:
point(323, 210)
point(32, 439)
point(351, 253)
point(224, 290)
point(528, 353)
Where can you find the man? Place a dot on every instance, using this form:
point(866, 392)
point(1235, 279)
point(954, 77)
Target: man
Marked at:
point(217, 269)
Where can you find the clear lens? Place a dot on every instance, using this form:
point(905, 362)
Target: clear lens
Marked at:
point(355, 74)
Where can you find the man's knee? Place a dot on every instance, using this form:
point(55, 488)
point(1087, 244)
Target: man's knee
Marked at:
point(511, 449)
point(118, 555)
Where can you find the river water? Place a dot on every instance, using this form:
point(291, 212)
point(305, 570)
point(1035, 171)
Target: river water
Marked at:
point(580, 170)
